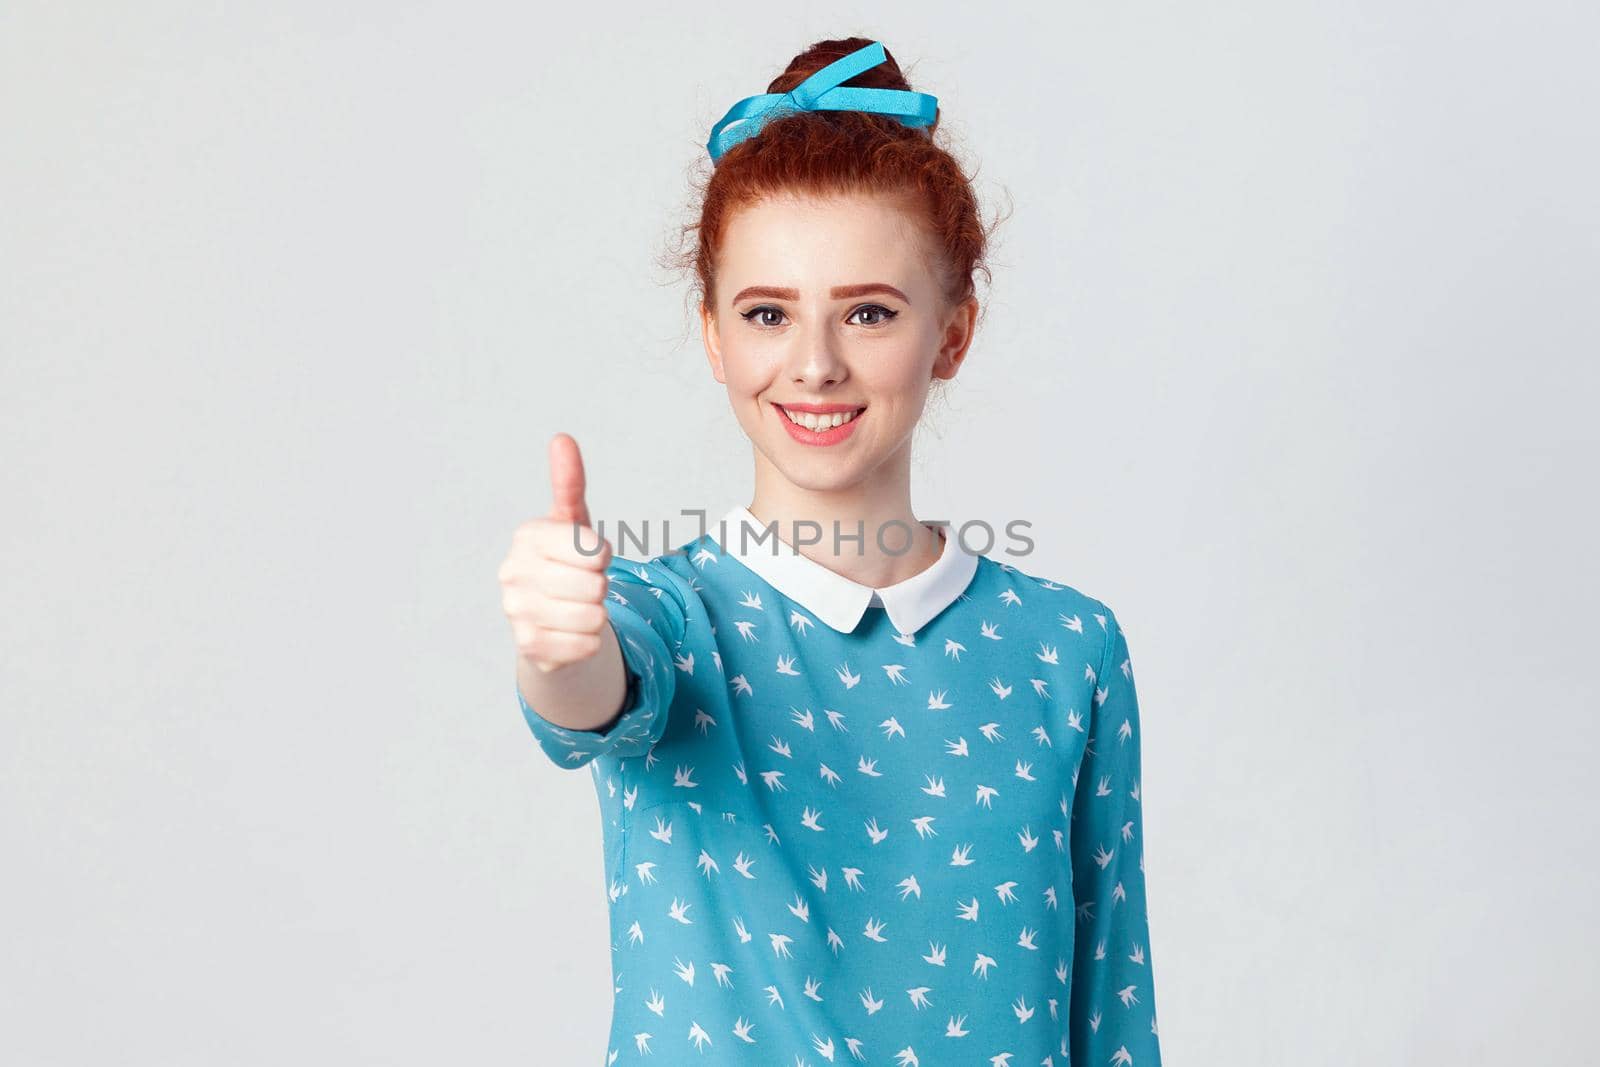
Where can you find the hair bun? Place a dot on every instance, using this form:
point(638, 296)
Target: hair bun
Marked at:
point(886, 75)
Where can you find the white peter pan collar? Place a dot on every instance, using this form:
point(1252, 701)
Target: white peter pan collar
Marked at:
point(836, 600)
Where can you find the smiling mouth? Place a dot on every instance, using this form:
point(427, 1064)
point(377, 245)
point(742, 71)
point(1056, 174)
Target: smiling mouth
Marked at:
point(818, 423)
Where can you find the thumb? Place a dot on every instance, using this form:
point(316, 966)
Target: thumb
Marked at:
point(566, 481)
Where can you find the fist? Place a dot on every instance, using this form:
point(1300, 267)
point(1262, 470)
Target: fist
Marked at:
point(553, 583)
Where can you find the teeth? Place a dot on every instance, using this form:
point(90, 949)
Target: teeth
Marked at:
point(818, 423)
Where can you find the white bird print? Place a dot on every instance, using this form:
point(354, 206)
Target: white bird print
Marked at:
point(935, 954)
point(1025, 771)
point(683, 778)
point(1009, 596)
point(869, 1002)
point(873, 832)
point(1004, 892)
point(742, 1028)
point(1020, 1006)
point(852, 877)
point(812, 985)
point(874, 930)
point(836, 718)
point(803, 719)
point(743, 863)
point(629, 796)
point(1027, 839)
point(780, 747)
point(954, 648)
point(720, 972)
point(828, 774)
point(1041, 734)
point(707, 864)
point(956, 1027)
point(780, 945)
point(906, 1057)
point(935, 786)
point(1075, 624)
point(799, 623)
point(785, 665)
point(716, 656)
point(818, 878)
point(891, 726)
point(684, 970)
point(1046, 653)
point(1102, 857)
point(739, 928)
point(919, 996)
point(968, 911)
point(924, 825)
point(1040, 687)
point(746, 628)
point(635, 934)
point(741, 685)
point(1127, 831)
point(906, 639)
point(835, 942)
point(937, 702)
point(646, 872)
point(663, 831)
point(869, 767)
point(959, 857)
point(703, 720)
point(981, 965)
point(991, 731)
point(657, 1003)
point(1050, 897)
point(801, 909)
point(896, 673)
point(1125, 731)
point(991, 631)
point(773, 996)
point(616, 889)
point(684, 661)
point(958, 747)
point(679, 911)
point(854, 1045)
point(824, 1048)
point(999, 688)
point(986, 793)
point(1125, 994)
point(641, 1043)
point(700, 1038)
point(812, 819)
point(1075, 720)
point(1025, 939)
point(846, 677)
point(1121, 1057)
point(750, 599)
point(908, 885)
point(1137, 955)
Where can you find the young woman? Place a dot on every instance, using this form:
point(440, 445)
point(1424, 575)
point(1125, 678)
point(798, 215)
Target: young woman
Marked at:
point(867, 796)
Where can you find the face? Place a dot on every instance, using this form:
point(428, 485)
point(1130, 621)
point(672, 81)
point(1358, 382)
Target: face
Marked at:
point(828, 310)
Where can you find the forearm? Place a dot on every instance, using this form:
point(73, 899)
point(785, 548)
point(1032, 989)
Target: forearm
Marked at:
point(586, 695)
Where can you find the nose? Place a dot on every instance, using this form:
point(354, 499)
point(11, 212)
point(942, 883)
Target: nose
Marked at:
point(815, 360)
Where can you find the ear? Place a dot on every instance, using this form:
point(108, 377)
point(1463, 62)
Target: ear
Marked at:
point(713, 342)
point(956, 338)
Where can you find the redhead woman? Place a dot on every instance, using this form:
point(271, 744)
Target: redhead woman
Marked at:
point(867, 795)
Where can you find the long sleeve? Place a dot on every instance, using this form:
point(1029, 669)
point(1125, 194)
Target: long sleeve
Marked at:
point(649, 607)
point(1112, 1018)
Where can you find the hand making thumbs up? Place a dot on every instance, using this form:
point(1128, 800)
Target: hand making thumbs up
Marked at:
point(553, 582)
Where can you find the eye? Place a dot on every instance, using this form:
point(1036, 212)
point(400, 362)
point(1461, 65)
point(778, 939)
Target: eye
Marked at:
point(764, 309)
point(884, 314)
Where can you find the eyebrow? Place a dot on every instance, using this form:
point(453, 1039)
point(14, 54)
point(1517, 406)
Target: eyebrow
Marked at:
point(838, 292)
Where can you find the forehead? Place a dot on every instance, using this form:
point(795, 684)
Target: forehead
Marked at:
point(812, 242)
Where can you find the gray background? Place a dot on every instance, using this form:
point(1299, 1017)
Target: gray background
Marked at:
point(1290, 358)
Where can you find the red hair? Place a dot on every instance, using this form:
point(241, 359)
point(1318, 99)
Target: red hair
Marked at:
point(842, 152)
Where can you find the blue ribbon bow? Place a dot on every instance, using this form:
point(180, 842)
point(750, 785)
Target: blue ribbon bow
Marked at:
point(823, 92)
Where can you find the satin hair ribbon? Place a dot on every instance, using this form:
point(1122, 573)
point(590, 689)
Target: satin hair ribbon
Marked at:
point(823, 92)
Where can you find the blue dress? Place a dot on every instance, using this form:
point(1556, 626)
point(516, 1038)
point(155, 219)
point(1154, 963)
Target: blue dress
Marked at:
point(844, 825)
